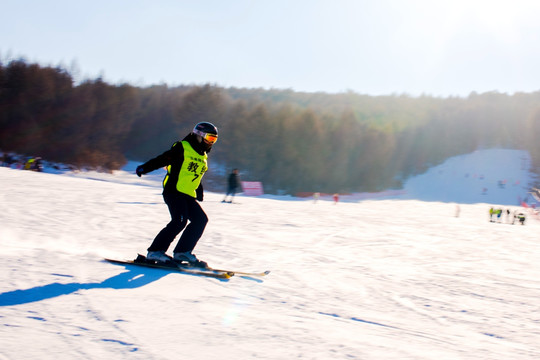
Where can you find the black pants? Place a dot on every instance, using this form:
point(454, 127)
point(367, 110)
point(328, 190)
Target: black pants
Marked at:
point(183, 208)
point(231, 191)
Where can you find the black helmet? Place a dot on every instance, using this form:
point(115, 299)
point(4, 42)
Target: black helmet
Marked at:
point(207, 131)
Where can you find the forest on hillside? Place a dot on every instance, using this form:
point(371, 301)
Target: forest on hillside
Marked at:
point(291, 141)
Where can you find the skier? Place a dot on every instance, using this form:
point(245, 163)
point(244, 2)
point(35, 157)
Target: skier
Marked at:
point(232, 185)
point(521, 218)
point(186, 164)
point(499, 213)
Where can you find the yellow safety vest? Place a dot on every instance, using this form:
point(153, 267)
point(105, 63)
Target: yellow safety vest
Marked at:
point(193, 168)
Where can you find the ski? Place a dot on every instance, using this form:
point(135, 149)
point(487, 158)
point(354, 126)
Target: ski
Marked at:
point(208, 272)
point(182, 267)
point(235, 272)
point(245, 273)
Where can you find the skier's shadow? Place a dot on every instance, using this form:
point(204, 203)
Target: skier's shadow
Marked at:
point(131, 279)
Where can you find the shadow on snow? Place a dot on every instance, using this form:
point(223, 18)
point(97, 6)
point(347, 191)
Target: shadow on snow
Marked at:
point(131, 279)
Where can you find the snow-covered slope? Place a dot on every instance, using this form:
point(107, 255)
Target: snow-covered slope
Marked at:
point(496, 176)
point(377, 279)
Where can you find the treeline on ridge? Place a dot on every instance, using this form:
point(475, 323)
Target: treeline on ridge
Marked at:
point(291, 141)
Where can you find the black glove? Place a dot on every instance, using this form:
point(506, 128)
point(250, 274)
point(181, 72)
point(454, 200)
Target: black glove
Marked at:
point(199, 192)
point(139, 171)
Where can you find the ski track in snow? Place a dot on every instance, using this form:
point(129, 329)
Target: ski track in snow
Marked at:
point(376, 279)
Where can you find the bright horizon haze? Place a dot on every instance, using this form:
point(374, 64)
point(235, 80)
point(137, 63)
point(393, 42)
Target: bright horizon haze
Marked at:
point(383, 47)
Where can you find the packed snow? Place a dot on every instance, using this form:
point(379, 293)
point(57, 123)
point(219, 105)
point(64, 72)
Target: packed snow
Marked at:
point(420, 275)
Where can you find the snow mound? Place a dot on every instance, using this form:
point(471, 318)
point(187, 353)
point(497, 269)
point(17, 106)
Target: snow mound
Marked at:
point(494, 176)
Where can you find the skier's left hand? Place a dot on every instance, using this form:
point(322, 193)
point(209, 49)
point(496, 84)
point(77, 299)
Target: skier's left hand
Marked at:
point(139, 171)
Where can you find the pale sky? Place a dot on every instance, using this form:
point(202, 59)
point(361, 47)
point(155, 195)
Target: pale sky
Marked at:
point(373, 47)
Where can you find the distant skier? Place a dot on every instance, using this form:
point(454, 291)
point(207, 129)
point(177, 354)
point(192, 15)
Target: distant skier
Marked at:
point(38, 165)
point(186, 164)
point(499, 213)
point(521, 217)
point(232, 185)
point(29, 164)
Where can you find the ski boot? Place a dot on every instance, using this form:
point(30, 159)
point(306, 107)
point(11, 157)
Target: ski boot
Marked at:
point(190, 259)
point(158, 257)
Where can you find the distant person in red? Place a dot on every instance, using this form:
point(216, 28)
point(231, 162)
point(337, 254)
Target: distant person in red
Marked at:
point(336, 198)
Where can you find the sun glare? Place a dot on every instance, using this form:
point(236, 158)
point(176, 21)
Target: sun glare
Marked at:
point(503, 19)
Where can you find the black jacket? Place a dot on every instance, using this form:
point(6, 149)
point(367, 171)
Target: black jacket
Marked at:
point(233, 181)
point(174, 157)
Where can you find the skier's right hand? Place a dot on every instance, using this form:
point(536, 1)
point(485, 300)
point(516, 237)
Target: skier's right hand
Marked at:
point(139, 171)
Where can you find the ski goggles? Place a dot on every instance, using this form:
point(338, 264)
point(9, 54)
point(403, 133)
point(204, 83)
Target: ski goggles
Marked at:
point(209, 138)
